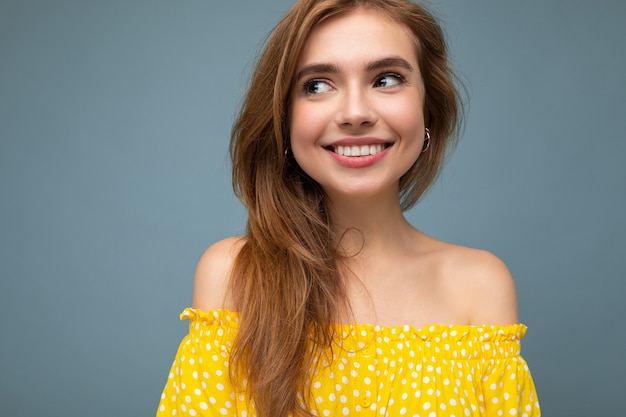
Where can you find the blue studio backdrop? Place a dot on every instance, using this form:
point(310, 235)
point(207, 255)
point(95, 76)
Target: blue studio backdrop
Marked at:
point(114, 178)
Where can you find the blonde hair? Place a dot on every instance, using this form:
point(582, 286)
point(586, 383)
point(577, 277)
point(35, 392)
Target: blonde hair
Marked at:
point(285, 281)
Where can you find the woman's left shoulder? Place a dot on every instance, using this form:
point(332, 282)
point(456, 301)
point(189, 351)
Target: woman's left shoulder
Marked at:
point(482, 282)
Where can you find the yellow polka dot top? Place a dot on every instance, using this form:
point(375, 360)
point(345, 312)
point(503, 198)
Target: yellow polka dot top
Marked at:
point(439, 370)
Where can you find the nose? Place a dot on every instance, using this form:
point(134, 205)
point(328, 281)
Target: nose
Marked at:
point(356, 109)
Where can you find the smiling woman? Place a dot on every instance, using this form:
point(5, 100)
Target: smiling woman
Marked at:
point(333, 303)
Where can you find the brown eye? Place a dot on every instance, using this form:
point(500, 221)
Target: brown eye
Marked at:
point(389, 80)
point(316, 87)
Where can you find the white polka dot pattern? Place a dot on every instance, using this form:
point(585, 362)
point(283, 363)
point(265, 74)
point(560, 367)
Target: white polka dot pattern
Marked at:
point(372, 370)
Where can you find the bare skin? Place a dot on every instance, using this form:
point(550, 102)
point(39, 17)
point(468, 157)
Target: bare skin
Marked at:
point(429, 282)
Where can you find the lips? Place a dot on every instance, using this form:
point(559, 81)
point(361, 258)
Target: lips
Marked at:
point(358, 152)
point(358, 147)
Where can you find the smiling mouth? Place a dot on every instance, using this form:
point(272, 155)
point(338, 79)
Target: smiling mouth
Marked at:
point(359, 150)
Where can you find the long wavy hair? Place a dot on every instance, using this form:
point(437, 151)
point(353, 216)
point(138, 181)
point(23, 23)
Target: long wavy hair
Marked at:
point(285, 282)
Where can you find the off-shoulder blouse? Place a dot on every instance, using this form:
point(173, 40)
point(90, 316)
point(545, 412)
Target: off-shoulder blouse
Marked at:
point(438, 370)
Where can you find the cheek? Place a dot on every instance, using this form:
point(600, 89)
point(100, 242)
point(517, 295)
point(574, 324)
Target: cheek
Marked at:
point(299, 135)
point(408, 120)
point(295, 123)
point(304, 127)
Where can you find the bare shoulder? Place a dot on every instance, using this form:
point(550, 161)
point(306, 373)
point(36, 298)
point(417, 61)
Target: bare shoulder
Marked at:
point(213, 274)
point(480, 282)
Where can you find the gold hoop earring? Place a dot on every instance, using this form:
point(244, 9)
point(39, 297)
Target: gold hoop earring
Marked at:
point(426, 140)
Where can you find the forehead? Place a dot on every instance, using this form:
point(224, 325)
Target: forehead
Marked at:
point(361, 34)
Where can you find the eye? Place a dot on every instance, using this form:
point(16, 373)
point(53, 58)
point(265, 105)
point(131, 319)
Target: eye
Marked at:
point(313, 87)
point(390, 79)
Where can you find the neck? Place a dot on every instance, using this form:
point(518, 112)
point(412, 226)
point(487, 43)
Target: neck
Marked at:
point(368, 226)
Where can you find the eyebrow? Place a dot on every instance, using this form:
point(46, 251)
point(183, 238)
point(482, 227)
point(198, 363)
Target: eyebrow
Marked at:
point(392, 61)
point(317, 69)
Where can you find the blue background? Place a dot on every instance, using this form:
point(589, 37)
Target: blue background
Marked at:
point(114, 177)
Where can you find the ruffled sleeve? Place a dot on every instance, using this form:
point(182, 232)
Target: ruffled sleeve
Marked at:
point(507, 386)
point(199, 383)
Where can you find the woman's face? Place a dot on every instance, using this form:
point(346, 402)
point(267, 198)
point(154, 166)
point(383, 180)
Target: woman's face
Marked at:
point(357, 122)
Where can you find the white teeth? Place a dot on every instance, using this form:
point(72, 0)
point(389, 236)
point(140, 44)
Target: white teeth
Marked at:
point(363, 150)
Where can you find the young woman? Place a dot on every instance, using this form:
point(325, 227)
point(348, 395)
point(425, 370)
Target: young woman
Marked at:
point(332, 303)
